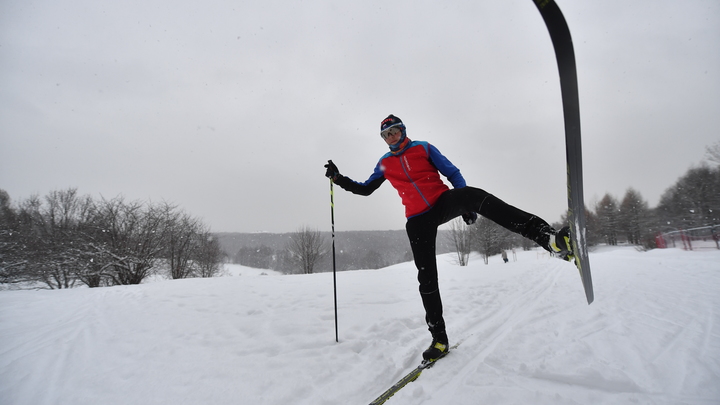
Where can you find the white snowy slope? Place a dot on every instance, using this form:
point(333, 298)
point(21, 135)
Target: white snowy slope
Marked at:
point(527, 336)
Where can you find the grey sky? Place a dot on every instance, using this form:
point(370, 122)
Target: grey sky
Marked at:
point(230, 109)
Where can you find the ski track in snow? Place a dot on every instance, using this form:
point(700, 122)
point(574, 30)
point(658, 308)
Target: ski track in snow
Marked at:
point(651, 341)
point(526, 336)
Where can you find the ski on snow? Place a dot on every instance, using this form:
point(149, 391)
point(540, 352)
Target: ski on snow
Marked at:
point(410, 377)
point(565, 55)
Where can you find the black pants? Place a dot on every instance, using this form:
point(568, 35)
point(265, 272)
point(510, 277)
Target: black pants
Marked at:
point(422, 232)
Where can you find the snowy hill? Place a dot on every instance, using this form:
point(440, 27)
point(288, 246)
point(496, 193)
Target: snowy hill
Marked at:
point(652, 336)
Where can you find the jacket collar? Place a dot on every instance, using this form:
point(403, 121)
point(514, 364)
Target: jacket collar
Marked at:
point(400, 147)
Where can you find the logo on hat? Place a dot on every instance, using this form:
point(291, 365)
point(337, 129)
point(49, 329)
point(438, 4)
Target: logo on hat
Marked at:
point(391, 120)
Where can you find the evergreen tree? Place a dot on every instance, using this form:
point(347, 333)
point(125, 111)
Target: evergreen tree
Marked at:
point(607, 213)
point(693, 201)
point(633, 216)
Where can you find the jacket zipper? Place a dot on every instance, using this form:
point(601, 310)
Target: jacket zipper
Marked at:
point(405, 170)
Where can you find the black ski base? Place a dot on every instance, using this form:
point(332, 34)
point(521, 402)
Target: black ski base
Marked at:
point(565, 55)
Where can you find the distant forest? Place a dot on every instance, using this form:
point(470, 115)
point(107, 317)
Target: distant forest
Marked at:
point(692, 202)
point(353, 249)
point(65, 239)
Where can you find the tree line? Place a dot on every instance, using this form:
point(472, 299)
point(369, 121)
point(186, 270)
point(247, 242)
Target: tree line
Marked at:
point(307, 250)
point(65, 239)
point(300, 253)
point(692, 202)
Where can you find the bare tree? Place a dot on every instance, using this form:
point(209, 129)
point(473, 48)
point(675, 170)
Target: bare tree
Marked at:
point(713, 153)
point(129, 237)
point(305, 248)
point(48, 232)
point(181, 242)
point(489, 237)
point(63, 216)
point(65, 238)
point(207, 255)
point(44, 261)
point(12, 260)
point(461, 237)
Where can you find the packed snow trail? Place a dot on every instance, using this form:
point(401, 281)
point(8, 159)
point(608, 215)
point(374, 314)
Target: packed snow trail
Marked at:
point(647, 339)
point(652, 336)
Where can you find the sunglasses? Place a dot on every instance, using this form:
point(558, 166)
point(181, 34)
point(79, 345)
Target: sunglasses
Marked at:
point(390, 132)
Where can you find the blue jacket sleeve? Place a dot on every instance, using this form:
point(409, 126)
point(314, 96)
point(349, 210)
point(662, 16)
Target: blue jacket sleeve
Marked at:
point(367, 187)
point(446, 168)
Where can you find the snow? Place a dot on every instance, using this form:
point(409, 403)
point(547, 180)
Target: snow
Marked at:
point(526, 336)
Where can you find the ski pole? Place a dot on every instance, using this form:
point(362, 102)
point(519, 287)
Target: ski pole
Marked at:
point(332, 220)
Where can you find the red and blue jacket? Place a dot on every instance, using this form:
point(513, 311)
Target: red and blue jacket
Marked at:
point(414, 171)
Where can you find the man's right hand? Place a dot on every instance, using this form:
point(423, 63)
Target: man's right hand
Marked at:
point(332, 171)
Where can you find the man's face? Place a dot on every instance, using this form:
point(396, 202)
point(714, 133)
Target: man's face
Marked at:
point(392, 135)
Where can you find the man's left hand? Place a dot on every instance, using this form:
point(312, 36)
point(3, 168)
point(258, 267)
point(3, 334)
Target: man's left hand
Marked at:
point(469, 218)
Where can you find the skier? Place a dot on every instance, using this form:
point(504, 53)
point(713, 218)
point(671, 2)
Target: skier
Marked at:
point(414, 168)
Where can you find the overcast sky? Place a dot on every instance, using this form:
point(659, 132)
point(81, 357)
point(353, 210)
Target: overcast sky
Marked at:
point(230, 108)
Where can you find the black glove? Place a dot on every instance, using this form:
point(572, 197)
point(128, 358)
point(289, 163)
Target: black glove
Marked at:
point(469, 218)
point(332, 171)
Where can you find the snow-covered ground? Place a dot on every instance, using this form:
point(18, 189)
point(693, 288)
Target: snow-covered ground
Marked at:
point(527, 336)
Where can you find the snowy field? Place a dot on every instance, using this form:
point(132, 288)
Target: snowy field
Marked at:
point(527, 336)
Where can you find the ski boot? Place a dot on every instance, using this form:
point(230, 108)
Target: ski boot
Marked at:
point(560, 244)
point(438, 348)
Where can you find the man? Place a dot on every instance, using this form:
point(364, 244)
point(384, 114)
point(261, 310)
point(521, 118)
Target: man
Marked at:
point(414, 168)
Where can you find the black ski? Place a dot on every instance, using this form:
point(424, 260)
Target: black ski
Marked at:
point(565, 54)
point(410, 377)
